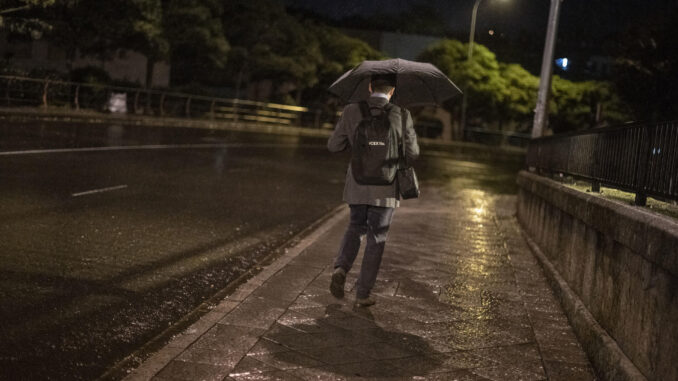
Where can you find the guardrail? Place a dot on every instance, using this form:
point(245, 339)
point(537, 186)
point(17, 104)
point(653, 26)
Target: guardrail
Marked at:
point(22, 91)
point(638, 158)
point(31, 92)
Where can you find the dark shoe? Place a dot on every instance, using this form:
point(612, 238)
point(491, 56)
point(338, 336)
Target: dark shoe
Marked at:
point(365, 302)
point(337, 285)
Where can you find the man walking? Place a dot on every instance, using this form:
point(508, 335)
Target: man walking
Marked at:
point(372, 206)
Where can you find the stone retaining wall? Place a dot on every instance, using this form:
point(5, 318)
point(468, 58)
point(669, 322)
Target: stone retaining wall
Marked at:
point(620, 263)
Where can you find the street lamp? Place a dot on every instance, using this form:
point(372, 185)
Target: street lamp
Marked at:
point(541, 111)
point(471, 38)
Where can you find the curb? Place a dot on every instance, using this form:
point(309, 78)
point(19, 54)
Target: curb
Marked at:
point(609, 360)
point(164, 351)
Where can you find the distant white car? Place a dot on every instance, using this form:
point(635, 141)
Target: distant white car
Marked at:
point(117, 103)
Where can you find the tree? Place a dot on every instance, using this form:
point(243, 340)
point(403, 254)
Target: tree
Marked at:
point(143, 32)
point(480, 78)
point(646, 70)
point(104, 28)
point(584, 105)
point(520, 97)
point(15, 17)
point(505, 94)
point(339, 53)
point(270, 44)
point(196, 34)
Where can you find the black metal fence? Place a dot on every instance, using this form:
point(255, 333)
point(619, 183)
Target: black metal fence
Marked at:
point(639, 158)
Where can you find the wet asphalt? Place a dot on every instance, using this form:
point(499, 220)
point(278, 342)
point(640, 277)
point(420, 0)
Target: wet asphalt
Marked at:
point(100, 251)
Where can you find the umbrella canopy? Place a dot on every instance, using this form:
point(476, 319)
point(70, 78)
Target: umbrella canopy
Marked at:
point(417, 83)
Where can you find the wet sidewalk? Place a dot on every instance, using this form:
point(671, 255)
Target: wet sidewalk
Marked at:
point(459, 297)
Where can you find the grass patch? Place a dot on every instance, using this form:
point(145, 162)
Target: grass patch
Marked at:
point(669, 209)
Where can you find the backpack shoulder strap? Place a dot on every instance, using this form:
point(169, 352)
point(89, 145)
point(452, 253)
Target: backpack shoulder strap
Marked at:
point(401, 147)
point(365, 110)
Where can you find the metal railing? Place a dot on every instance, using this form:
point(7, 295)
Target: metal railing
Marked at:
point(639, 158)
point(31, 92)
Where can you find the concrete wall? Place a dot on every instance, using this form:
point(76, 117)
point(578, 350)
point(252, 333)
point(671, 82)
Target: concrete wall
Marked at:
point(621, 262)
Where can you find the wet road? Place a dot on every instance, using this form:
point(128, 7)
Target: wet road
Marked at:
point(103, 250)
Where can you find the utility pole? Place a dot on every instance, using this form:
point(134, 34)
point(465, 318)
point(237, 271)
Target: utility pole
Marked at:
point(471, 38)
point(542, 110)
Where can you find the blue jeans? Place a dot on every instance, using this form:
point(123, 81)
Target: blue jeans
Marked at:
point(374, 222)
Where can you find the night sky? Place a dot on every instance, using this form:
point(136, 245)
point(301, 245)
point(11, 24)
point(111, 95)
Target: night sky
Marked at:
point(587, 28)
point(593, 19)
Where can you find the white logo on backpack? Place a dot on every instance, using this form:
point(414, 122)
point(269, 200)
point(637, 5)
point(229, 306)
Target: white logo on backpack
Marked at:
point(377, 143)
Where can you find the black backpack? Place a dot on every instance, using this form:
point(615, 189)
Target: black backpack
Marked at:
point(374, 155)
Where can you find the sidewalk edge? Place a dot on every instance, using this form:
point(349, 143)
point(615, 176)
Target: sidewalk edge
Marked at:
point(165, 346)
point(608, 359)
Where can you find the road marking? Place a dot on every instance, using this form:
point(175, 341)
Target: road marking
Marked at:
point(113, 148)
point(156, 147)
point(100, 190)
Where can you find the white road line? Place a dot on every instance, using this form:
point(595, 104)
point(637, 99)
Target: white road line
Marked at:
point(113, 148)
point(156, 147)
point(100, 190)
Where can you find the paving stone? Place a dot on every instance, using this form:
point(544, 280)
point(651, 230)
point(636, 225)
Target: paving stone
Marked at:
point(278, 329)
point(455, 375)
point(304, 323)
point(349, 323)
point(334, 355)
point(464, 360)
point(225, 306)
point(526, 357)
point(563, 371)
point(269, 376)
point(324, 373)
point(229, 337)
point(322, 311)
point(572, 354)
point(255, 313)
point(288, 360)
point(306, 340)
point(369, 369)
point(381, 351)
point(420, 365)
point(183, 370)
point(286, 284)
point(249, 365)
point(266, 346)
point(507, 373)
point(228, 357)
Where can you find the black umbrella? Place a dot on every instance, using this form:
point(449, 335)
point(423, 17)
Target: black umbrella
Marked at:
point(417, 83)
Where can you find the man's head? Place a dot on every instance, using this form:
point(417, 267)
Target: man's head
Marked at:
point(383, 83)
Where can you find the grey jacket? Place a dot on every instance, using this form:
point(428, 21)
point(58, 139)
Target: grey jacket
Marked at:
point(342, 138)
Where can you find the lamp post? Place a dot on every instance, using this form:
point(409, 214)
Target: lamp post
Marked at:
point(471, 39)
point(541, 111)
point(469, 58)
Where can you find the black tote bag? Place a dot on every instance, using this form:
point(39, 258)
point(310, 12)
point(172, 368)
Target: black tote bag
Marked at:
point(408, 185)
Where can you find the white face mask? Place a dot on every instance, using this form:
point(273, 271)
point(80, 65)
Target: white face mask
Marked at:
point(381, 95)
